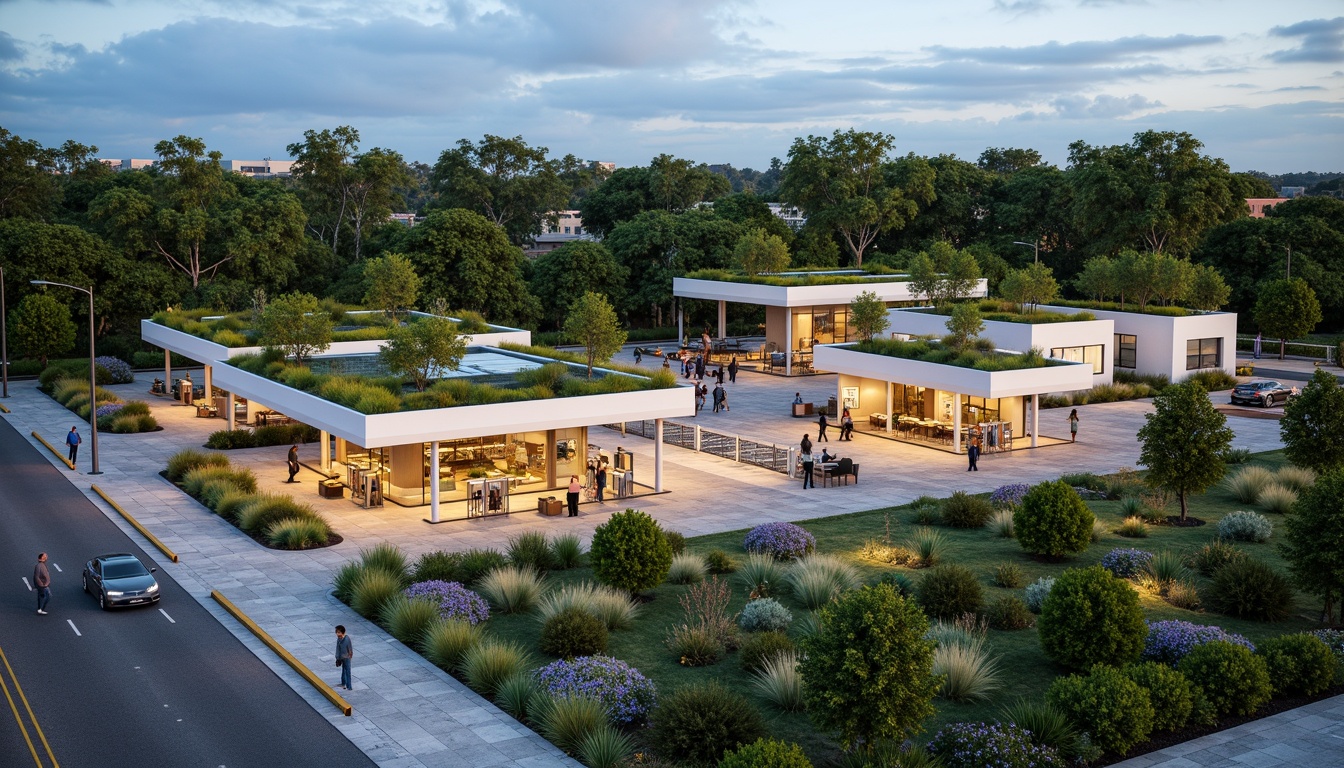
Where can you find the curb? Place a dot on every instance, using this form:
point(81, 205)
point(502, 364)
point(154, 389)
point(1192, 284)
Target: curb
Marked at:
point(298, 666)
point(54, 452)
point(3, 409)
point(136, 524)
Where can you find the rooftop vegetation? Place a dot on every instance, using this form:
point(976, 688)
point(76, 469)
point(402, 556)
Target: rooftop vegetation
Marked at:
point(1007, 312)
point(239, 329)
point(1111, 306)
point(980, 356)
point(874, 273)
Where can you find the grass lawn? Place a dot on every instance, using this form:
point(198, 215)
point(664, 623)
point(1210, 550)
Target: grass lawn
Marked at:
point(1024, 669)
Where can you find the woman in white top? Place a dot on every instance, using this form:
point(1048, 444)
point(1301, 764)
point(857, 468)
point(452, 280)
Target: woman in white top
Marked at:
point(575, 488)
point(809, 461)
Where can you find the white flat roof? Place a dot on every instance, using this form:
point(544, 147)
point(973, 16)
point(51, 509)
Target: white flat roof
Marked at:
point(887, 288)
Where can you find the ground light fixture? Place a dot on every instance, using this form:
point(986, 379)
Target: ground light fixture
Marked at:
point(93, 379)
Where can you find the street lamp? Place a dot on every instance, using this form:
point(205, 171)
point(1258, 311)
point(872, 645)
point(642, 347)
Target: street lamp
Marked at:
point(93, 379)
point(1033, 246)
point(4, 338)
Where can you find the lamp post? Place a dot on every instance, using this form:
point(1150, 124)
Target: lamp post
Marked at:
point(4, 338)
point(93, 378)
point(1035, 247)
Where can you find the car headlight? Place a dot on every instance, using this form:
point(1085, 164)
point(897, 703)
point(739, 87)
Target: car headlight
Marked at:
point(115, 594)
point(153, 588)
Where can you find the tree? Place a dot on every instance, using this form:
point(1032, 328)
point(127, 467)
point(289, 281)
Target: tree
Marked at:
point(964, 324)
point(560, 277)
point(1312, 423)
point(868, 669)
point(760, 252)
point(867, 315)
point(1315, 538)
point(593, 323)
point(1208, 291)
point(1138, 274)
point(27, 186)
point(1098, 278)
point(924, 278)
point(1174, 279)
point(1287, 309)
point(1184, 441)
point(1008, 160)
point(1030, 286)
point(371, 188)
point(41, 327)
point(293, 323)
point(630, 552)
point(391, 284)
point(320, 172)
point(842, 183)
point(423, 350)
point(961, 272)
point(666, 184)
point(508, 182)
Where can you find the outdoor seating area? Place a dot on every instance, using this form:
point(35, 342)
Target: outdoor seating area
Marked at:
point(832, 472)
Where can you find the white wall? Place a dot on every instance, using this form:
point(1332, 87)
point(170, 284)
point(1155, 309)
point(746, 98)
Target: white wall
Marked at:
point(843, 359)
point(1161, 340)
point(797, 296)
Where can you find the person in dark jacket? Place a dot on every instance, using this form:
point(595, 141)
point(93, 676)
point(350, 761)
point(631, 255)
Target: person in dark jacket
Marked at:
point(821, 428)
point(732, 369)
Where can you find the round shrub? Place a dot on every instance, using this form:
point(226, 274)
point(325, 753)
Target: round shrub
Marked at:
point(1091, 617)
point(761, 647)
point(698, 723)
point(1299, 664)
point(969, 745)
point(573, 632)
point(948, 591)
point(454, 601)
point(1234, 680)
point(1251, 589)
point(1245, 526)
point(1053, 521)
point(676, 541)
point(962, 510)
point(1126, 563)
point(1008, 612)
point(1112, 709)
point(766, 753)
point(626, 694)
point(765, 615)
point(630, 552)
point(1171, 694)
point(1170, 641)
point(436, 566)
point(1036, 592)
point(784, 541)
point(719, 562)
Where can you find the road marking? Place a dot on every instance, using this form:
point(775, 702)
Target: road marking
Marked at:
point(72, 626)
point(26, 584)
point(32, 749)
point(166, 616)
point(57, 567)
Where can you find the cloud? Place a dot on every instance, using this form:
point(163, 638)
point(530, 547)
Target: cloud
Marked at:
point(1322, 41)
point(1019, 8)
point(1103, 106)
point(10, 50)
point(1086, 52)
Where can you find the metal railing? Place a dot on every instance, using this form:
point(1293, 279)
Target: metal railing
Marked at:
point(1270, 348)
point(725, 445)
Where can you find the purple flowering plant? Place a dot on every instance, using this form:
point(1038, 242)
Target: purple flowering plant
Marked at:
point(785, 541)
point(109, 409)
point(1008, 496)
point(1126, 563)
point(1333, 638)
point(455, 601)
point(627, 694)
point(990, 745)
point(1169, 641)
point(117, 368)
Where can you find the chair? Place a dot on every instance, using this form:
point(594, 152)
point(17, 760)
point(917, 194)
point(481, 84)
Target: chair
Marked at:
point(844, 469)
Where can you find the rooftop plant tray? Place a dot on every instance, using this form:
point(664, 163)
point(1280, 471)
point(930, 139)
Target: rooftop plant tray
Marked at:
point(238, 329)
point(976, 359)
point(793, 279)
point(1007, 312)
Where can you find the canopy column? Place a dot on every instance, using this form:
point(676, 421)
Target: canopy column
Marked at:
point(657, 455)
point(232, 426)
point(723, 318)
point(324, 452)
point(1035, 418)
point(433, 481)
point(168, 372)
point(956, 422)
point(788, 341)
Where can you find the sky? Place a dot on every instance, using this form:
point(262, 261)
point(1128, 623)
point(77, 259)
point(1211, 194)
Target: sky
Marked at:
point(1261, 84)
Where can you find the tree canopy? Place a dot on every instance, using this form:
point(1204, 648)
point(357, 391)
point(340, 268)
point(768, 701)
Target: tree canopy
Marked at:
point(512, 184)
point(1312, 422)
point(292, 323)
point(423, 350)
point(1287, 309)
point(592, 323)
point(1184, 441)
point(560, 277)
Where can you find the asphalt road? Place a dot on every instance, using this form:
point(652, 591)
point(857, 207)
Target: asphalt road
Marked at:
point(134, 687)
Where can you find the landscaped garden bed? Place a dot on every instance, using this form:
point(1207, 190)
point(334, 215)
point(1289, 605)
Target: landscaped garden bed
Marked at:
point(68, 384)
point(239, 329)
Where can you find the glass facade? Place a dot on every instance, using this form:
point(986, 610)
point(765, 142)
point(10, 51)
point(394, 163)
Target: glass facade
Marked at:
point(1126, 350)
point(1203, 353)
point(1093, 353)
point(820, 325)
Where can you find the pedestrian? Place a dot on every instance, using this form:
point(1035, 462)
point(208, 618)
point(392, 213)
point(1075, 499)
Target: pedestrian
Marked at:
point(719, 374)
point(73, 440)
point(42, 583)
point(601, 481)
point(293, 462)
point(699, 366)
point(575, 488)
point(809, 461)
point(732, 370)
point(973, 450)
point(846, 426)
point(723, 399)
point(639, 355)
point(821, 428)
point(1073, 425)
point(1257, 345)
point(345, 653)
point(699, 397)
point(718, 397)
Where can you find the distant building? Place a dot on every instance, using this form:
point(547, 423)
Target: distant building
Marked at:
point(549, 241)
point(1291, 192)
point(791, 215)
point(126, 165)
point(407, 219)
point(267, 168)
point(567, 223)
point(1259, 205)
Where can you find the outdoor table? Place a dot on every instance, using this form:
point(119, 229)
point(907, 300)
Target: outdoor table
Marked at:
point(822, 470)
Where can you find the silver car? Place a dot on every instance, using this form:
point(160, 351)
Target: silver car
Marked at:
point(120, 580)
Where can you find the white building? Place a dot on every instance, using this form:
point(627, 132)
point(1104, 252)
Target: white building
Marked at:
point(267, 168)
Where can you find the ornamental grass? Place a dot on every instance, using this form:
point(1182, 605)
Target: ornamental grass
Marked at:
point(1246, 484)
point(566, 551)
point(372, 590)
point(298, 533)
point(928, 544)
point(487, 664)
point(687, 568)
point(760, 574)
point(1277, 499)
point(516, 694)
point(816, 579)
point(780, 683)
point(408, 618)
point(566, 721)
point(447, 642)
point(512, 589)
point(969, 673)
point(385, 557)
point(1002, 524)
point(1297, 479)
point(612, 606)
point(605, 747)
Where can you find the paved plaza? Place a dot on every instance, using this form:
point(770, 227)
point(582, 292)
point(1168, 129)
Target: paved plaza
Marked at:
point(407, 712)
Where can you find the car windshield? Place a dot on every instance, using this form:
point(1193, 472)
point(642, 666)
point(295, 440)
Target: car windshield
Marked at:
point(123, 569)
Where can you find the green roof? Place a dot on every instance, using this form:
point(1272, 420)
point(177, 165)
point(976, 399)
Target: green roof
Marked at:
point(1007, 312)
point(932, 352)
point(238, 329)
point(796, 278)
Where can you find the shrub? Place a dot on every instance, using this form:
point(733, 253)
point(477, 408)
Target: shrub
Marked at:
point(182, 462)
point(256, 516)
point(687, 569)
point(1334, 639)
point(966, 670)
point(447, 641)
point(408, 618)
point(761, 574)
point(515, 696)
point(573, 632)
point(694, 646)
point(764, 615)
point(760, 647)
point(902, 583)
point(1007, 497)
point(1214, 555)
point(1172, 696)
point(1036, 592)
point(194, 481)
point(1133, 528)
point(928, 545)
point(452, 600)
point(372, 590)
point(1009, 613)
point(948, 591)
point(231, 439)
point(814, 580)
point(605, 747)
point(385, 557)
point(630, 552)
point(676, 541)
point(489, 662)
point(1237, 455)
point(1166, 567)
point(1244, 526)
point(1002, 524)
point(1246, 484)
point(296, 533)
point(565, 722)
point(1251, 589)
point(1045, 725)
point(925, 511)
point(1182, 594)
point(626, 695)
point(512, 589)
point(698, 723)
point(765, 753)
point(566, 551)
point(1112, 709)
point(967, 745)
point(435, 566)
point(1091, 617)
point(529, 549)
point(779, 683)
point(784, 541)
point(1170, 641)
point(477, 563)
point(965, 629)
point(1234, 680)
point(962, 510)
point(1277, 499)
point(1126, 563)
point(1053, 520)
point(1298, 664)
point(719, 562)
point(344, 580)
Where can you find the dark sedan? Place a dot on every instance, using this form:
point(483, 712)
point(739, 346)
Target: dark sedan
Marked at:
point(120, 580)
point(1265, 393)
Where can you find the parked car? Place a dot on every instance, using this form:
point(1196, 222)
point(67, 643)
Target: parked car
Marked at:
point(120, 580)
point(1263, 393)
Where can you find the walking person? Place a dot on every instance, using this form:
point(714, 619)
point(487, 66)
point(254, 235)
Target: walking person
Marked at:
point(809, 461)
point(42, 583)
point(821, 428)
point(699, 397)
point(639, 355)
point(73, 440)
point(973, 450)
point(700, 366)
point(718, 397)
point(723, 399)
point(345, 653)
point(719, 374)
point(601, 479)
point(293, 462)
point(1257, 345)
point(1073, 425)
point(732, 370)
point(572, 496)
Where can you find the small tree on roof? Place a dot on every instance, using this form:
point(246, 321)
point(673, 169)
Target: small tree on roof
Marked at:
point(593, 323)
point(867, 315)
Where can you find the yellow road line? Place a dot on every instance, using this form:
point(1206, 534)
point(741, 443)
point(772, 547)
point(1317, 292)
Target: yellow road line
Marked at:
point(3, 408)
point(18, 718)
point(136, 524)
point(298, 666)
point(54, 452)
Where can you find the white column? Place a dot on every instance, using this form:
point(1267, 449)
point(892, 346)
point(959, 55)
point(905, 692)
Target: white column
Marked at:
point(1035, 418)
point(788, 341)
point(680, 332)
point(168, 372)
point(956, 422)
point(231, 424)
point(723, 318)
point(658, 455)
point(324, 452)
point(889, 387)
point(434, 482)
point(209, 397)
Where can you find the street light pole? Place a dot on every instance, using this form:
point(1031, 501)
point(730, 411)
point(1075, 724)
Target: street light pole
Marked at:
point(93, 378)
point(1289, 248)
point(1035, 247)
point(4, 338)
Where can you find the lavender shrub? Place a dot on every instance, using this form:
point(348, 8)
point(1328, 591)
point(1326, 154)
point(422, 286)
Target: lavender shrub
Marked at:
point(625, 693)
point(783, 541)
point(1126, 563)
point(1169, 641)
point(455, 600)
point(990, 745)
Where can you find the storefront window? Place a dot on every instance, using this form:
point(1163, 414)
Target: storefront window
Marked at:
point(978, 410)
